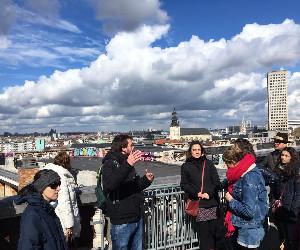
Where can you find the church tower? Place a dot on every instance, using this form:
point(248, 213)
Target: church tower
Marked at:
point(174, 127)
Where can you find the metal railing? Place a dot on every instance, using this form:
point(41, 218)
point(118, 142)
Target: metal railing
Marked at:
point(166, 226)
point(165, 223)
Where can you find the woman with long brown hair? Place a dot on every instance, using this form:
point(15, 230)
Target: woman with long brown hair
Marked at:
point(67, 207)
point(191, 182)
point(289, 188)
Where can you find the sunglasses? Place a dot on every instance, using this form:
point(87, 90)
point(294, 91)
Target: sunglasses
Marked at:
point(54, 185)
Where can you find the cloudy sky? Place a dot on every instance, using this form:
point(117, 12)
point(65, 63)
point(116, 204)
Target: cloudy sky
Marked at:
point(119, 65)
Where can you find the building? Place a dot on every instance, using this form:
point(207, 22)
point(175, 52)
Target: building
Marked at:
point(174, 127)
point(277, 100)
point(294, 124)
point(187, 134)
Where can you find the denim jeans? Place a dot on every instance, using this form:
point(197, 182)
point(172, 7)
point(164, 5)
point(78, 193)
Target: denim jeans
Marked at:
point(127, 236)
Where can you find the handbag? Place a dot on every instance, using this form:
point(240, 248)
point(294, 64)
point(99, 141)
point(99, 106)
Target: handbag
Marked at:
point(191, 206)
point(71, 243)
point(276, 204)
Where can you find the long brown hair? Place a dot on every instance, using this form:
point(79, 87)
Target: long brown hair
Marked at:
point(63, 160)
point(290, 169)
point(189, 152)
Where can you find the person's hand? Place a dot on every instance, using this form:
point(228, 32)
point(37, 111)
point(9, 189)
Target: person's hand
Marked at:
point(205, 196)
point(69, 231)
point(134, 157)
point(228, 197)
point(149, 176)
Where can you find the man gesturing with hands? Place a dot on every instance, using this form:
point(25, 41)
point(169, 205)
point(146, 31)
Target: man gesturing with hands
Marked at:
point(123, 189)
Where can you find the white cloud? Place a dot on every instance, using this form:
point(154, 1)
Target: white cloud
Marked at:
point(294, 96)
point(209, 83)
point(128, 15)
point(4, 42)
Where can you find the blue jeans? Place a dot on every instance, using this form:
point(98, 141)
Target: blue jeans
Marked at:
point(127, 236)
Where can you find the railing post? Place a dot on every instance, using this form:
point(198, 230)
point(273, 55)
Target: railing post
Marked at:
point(98, 223)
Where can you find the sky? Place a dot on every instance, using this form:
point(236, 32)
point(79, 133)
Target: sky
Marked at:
point(123, 65)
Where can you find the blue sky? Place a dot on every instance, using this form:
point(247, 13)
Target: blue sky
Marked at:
point(103, 65)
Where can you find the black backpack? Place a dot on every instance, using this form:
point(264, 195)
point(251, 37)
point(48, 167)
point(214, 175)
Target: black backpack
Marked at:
point(101, 199)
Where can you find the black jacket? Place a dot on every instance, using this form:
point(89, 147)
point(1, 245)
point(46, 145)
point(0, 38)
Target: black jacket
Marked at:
point(269, 176)
point(191, 181)
point(290, 199)
point(272, 159)
point(122, 188)
point(40, 227)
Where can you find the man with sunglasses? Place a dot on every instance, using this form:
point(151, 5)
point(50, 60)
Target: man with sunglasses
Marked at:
point(280, 142)
point(123, 189)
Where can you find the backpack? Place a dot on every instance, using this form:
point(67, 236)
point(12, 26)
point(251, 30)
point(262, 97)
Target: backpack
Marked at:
point(101, 198)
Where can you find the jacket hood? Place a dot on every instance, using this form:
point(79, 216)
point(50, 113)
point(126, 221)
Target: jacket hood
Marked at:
point(59, 169)
point(35, 200)
point(118, 156)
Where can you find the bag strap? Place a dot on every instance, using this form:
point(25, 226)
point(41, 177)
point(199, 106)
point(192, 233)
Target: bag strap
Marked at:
point(282, 190)
point(202, 178)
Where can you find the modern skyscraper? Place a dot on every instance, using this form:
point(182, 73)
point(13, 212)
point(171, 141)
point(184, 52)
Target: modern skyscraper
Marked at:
point(277, 100)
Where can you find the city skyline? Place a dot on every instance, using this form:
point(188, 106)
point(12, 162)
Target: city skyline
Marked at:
point(124, 65)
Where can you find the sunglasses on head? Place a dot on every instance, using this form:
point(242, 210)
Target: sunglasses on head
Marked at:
point(54, 185)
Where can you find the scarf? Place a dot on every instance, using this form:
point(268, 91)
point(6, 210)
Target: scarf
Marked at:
point(233, 175)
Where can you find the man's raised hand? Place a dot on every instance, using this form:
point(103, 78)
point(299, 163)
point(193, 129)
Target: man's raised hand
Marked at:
point(134, 157)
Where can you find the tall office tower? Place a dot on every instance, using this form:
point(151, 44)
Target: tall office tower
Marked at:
point(277, 100)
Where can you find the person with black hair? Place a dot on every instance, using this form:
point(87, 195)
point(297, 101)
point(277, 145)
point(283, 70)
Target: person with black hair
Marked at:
point(280, 142)
point(191, 183)
point(40, 227)
point(123, 190)
point(288, 188)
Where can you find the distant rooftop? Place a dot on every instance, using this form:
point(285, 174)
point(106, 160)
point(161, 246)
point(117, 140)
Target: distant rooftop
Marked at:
point(194, 131)
point(91, 145)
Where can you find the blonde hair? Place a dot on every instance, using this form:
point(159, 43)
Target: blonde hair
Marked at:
point(232, 155)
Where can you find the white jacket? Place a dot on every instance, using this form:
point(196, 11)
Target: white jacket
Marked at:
point(67, 208)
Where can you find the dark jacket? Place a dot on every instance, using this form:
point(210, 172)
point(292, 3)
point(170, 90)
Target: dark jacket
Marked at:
point(272, 160)
point(290, 199)
point(122, 188)
point(269, 176)
point(191, 181)
point(40, 227)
